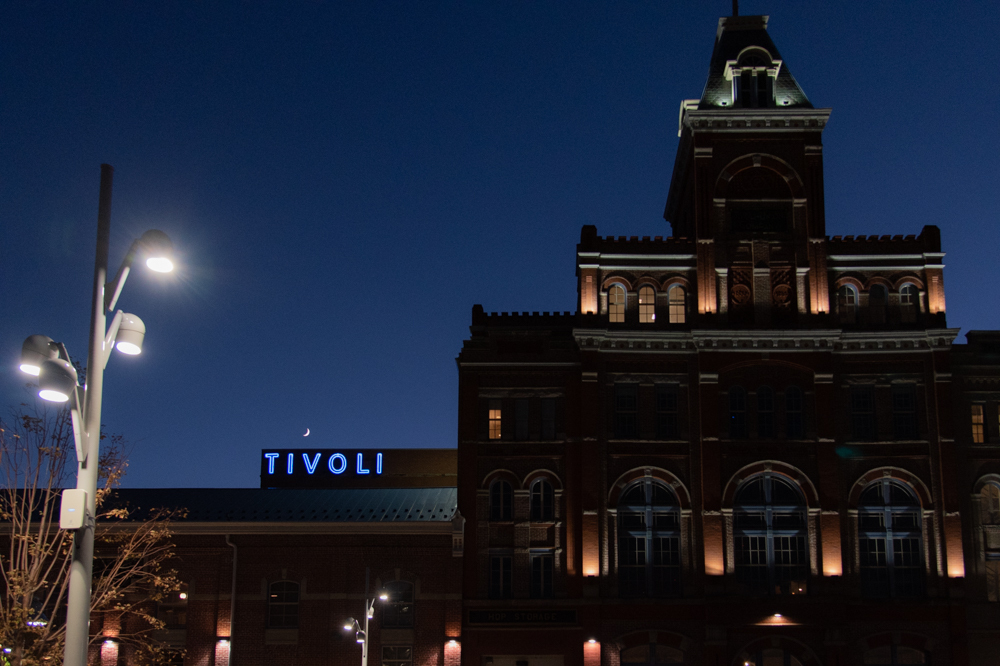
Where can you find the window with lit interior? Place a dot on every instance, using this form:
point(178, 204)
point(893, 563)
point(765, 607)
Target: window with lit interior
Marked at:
point(677, 304)
point(616, 304)
point(495, 414)
point(977, 423)
point(283, 605)
point(647, 305)
point(769, 529)
point(890, 541)
point(649, 540)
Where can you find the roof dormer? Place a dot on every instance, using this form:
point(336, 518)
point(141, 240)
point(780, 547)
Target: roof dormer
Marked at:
point(753, 74)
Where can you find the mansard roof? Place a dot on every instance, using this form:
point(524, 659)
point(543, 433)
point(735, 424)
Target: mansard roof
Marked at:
point(735, 36)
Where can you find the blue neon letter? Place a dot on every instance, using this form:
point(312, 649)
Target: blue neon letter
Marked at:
point(378, 463)
point(361, 470)
point(291, 460)
point(335, 468)
point(311, 466)
point(270, 461)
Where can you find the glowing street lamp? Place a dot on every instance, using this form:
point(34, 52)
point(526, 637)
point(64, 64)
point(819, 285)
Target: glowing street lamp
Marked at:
point(58, 382)
point(361, 634)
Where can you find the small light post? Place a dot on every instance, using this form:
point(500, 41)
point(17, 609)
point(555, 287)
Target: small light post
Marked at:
point(58, 382)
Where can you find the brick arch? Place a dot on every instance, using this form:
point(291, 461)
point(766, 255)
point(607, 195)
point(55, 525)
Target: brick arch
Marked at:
point(909, 279)
point(647, 280)
point(848, 280)
point(920, 489)
point(796, 187)
point(546, 474)
point(992, 478)
point(623, 281)
point(504, 474)
point(675, 281)
point(904, 638)
point(667, 477)
point(668, 638)
point(802, 652)
point(876, 279)
point(793, 474)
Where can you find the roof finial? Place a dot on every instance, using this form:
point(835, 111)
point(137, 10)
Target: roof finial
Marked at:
point(736, 7)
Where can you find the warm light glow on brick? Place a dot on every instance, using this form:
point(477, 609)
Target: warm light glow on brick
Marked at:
point(592, 653)
point(222, 652)
point(109, 653)
point(833, 564)
point(956, 555)
point(591, 545)
point(715, 564)
point(452, 652)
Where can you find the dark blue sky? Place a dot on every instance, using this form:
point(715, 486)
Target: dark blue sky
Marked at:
point(343, 181)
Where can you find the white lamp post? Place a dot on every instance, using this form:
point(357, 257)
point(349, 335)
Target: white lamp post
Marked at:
point(350, 624)
point(57, 381)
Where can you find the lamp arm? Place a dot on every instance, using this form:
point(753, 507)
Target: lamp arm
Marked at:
point(79, 427)
point(109, 338)
point(113, 289)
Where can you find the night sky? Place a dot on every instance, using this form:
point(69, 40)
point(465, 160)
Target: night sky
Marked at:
point(343, 181)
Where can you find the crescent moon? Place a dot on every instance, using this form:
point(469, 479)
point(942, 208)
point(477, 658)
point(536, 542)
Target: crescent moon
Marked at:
point(307, 433)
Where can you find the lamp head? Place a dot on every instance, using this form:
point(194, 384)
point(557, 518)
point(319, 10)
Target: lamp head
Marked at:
point(56, 380)
point(131, 333)
point(361, 636)
point(159, 251)
point(384, 596)
point(349, 623)
point(35, 350)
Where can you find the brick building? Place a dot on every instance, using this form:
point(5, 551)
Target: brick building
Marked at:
point(752, 444)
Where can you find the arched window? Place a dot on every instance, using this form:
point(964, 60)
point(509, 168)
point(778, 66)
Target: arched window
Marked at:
point(765, 412)
point(890, 540)
point(676, 300)
point(647, 305)
point(877, 299)
point(771, 657)
point(769, 526)
point(650, 654)
point(649, 541)
point(793, 413)
point(847, 304)
point(909, 303)
point(894, 655)
point(737, 413)
point(283, 605)
point(989, 498)
point(501, 501)
point(542, 501)
point(616, 304)
point(397, 610)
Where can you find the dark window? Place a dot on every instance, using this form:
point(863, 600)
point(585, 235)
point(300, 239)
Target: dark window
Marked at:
point(650, 654)
point(771, 657)
point(548, 418)
point(172, 610)
point(521, 419)
point(501, 501)
point(500, 567)
point(737, 413)
point(649, 561)
point(890, 541)
point(909, 302)
point(397, 655)
point(666, 413)
point(863, 413)
point(283, 605)
point(793, 413)
point(542, 501)
point(847, 304)
point(626, 408)
point(541, 575)
point(765, 412)
point(769, 525)
point(877, 298)
point(397, 610)
point(904, 411)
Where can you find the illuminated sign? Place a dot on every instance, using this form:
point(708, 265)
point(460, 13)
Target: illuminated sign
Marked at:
point(357, 468)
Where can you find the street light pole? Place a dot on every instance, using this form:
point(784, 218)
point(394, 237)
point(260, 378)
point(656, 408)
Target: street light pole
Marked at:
point(368, 613)
point(82, 568)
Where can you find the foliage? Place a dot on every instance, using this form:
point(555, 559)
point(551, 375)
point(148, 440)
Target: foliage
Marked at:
point(132, 557)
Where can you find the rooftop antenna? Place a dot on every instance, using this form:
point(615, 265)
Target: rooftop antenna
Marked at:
point(736, 7)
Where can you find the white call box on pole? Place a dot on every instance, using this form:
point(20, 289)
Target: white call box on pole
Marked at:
point(73, 514)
